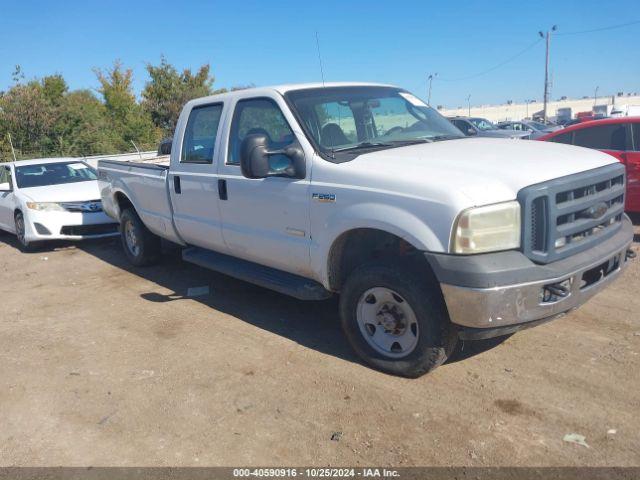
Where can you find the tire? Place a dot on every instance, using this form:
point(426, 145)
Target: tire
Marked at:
point(25, 245)
point(141, 247)
point(410, 308)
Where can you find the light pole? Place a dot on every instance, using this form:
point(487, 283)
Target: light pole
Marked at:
point(546, 70)
point(430, 78)
point(469, 104)
point(595, 96)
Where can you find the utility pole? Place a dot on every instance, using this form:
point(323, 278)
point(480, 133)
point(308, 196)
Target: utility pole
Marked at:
point(546, 69)
point(595, 96)
point(430, 78)
point(469, 104)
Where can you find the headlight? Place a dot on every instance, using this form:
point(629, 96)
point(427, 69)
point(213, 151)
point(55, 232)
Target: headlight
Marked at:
point(488, 229)
point(46, 206)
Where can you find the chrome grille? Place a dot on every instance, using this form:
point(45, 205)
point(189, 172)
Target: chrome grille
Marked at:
point(567, 215)
point(90, 206)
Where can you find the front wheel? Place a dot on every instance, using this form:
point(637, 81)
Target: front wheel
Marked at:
point(396, 320)
point(21, 229)
point(141, 247)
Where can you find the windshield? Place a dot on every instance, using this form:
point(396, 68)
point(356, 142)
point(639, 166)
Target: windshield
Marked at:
point(45, 174)
point(348, 118)
point(483, 124)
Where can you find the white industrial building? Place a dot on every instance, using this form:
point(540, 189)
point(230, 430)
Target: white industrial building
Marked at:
point(519, 111)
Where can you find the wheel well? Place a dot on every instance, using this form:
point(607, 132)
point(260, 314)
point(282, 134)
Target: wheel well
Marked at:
point(362, 245)
point(123, 202)
point(16, 212)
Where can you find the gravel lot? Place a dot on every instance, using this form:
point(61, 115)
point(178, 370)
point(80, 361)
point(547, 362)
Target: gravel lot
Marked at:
point(104, 364)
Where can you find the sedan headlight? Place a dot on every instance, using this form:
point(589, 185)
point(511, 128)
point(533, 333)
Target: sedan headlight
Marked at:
point(487, 229)
point(46, 206)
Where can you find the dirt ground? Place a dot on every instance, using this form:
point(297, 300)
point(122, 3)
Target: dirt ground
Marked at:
point(105, 364)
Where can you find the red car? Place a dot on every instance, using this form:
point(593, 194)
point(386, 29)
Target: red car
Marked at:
point(619, 137)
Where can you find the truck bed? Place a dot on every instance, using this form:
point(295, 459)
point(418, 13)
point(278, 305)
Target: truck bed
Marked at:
point(145, 185)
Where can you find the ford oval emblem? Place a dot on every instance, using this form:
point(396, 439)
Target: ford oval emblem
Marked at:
point(595, 211)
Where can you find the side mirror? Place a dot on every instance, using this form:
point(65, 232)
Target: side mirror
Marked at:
point(5, 187)
point(258, 161)
point(471, 131)
point(165, 146)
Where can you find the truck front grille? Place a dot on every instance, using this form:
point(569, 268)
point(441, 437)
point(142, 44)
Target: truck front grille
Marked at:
point(567, 215)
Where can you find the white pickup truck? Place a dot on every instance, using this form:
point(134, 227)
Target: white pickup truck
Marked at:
point(364, 191)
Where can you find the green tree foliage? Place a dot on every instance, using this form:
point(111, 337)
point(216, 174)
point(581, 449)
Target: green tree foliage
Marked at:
point(46, 119)
point(167, 91)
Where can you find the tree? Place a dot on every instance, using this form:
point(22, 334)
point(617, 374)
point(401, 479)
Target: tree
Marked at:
point(167, 91)
point(127, 119)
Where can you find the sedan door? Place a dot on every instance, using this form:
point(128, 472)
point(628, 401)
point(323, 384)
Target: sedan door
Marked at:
point(633, 171)
point(265, 220)
point(7, 199)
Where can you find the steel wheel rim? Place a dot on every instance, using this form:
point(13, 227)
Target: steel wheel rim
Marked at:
point(131, 239)
point(387, 322)
point(20, 233)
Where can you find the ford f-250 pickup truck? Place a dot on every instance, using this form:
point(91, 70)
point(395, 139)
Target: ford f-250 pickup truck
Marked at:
point(363, 190)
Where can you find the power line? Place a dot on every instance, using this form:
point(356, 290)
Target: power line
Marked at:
point(501, 64)
point(610, 27)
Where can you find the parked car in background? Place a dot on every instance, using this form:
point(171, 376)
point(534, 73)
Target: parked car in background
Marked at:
point(535, 129)
point(619, 137)
point(52, 199)
point(481, 127)
point(366, 191)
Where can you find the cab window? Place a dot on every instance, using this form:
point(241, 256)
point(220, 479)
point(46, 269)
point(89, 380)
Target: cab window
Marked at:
point(200, 134)
point(562, 138)
point(258, 116)
point(602, 137)
point(5, 179)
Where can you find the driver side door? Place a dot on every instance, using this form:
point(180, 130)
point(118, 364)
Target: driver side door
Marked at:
point(264, 220)
point(7, 199)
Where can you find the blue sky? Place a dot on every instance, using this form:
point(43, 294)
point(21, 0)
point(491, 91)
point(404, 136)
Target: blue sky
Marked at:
point(273, 42)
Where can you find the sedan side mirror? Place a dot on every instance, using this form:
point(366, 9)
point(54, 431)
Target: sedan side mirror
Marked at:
point(471, 131)
point(258, 161)
point(5, 187)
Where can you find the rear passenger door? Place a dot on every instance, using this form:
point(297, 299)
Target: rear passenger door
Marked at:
point(193, 181)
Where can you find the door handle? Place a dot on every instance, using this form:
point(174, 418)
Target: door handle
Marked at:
point(222, 189)
point(176, 184)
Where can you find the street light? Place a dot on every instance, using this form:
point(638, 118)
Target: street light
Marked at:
point(430, 78)
point(469, 103)
point(595, 96)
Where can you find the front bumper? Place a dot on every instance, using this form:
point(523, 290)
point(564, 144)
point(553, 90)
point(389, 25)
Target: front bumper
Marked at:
point(42, 226)
point(495, 294)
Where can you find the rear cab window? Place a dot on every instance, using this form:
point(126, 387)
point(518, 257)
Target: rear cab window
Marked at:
point(198, 143)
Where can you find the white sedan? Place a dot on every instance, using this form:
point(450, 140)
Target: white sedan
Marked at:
point(52, 199)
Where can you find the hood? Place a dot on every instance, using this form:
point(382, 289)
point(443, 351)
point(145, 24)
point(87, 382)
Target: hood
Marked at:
point(68, 192)
point(472, 171)
point(503, 133)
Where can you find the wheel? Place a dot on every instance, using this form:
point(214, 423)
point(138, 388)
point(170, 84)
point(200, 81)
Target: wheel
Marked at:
point(396, 320)
point(140, 245)
point(25, 245)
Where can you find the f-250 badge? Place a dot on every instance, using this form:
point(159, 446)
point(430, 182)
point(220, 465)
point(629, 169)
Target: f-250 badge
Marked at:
point(324, 197)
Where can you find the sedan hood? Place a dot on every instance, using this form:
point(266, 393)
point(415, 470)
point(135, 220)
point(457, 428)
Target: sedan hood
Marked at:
point(68, 192)
point(471, 171)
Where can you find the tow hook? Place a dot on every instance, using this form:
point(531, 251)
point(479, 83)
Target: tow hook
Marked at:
point(631, 254)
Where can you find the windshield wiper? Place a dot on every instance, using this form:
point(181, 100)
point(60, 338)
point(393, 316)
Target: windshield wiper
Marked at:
point(362, 145)
point(446, 137)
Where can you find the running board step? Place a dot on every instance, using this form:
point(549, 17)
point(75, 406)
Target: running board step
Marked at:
point(282, 282)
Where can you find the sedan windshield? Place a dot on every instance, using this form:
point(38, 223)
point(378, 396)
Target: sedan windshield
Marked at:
point(483, 124)
point(45, 174)
point(342, 119)
point(538, 126)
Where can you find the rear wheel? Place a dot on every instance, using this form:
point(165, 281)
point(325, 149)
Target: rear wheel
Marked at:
point(25, 245)
point(141, 247)
point(396, 320)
